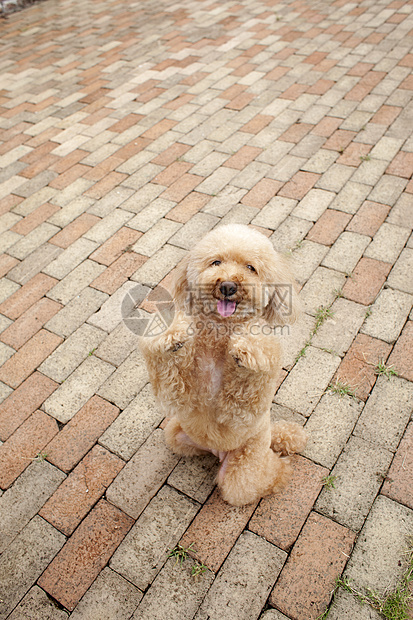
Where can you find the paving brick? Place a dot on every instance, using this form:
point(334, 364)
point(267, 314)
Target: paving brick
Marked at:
point(176, 589)
point(28, 357)
point(328, 226)
point(25, 560)
point(33, 240)
point(290, 233)
point(81, 490)
point(74, 230)
point(321, 289)
point(346, 252)
point(366, 281)
point(126, 382)
point(113, 247)
point(215, 530)
point(397, 484)
point(307, 381)
point(305, 585)
point(245, 580)
point(81, 433)
point(34, 263)
point(75, 281)
point(145, 548)
point(78, 310)
point(118, 273)
point(313, 205)
point(299, 185)
point(280, 517)
point(386, 412)
point(368, 218)
point(388, 189)
point(339, 330)
point(401, 356)
point(384, 539)
point(22, 447)
point(109, 595)
point(37, 605)
point(82, 558)
point(155, 238)
point(142, 476)
point(30, 322)
point(388, 242)
point(188, 207)
point(195, 476)
point(399, 276)
point(401, 214)
point(35, 218)
point(359, 474)
point(26, 296)
point(388, 315)
point(197, 227)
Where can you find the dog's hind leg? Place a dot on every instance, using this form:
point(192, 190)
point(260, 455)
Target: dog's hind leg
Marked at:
point(287, 437)
point(180, 442)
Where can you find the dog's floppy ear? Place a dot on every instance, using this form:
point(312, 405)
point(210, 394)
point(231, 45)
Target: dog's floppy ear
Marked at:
point(281, 302)
point(180, 283)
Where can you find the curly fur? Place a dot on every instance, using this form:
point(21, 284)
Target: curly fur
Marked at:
point(214, 371)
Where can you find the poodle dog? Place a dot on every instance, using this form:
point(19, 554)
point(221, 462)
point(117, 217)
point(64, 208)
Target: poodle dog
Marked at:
point(214, 370)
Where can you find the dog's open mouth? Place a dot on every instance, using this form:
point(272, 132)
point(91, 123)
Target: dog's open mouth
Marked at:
point(226, 307)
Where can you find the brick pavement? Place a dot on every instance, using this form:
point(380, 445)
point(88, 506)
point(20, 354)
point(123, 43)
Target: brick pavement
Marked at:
point(127, 131)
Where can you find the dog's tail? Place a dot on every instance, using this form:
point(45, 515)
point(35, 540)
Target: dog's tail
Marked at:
point(287, 437)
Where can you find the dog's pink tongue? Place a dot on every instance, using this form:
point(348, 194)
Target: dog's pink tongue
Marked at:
point(226, 308)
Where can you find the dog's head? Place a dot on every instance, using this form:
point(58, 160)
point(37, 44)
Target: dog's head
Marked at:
point(233, 274)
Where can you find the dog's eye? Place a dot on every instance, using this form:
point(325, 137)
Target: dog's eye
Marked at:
point(251, 268)
point(215, 263)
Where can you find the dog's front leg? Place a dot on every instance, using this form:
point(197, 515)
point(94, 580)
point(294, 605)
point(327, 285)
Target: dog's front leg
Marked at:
point(257, 353)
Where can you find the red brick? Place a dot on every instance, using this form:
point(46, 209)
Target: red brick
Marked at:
point(402, 354)
point(24, 445)
point(30, 322)
point(190, 205)
point(116, 245)
point(81, 489)
point(305, 585)
point(243, 157)
point(119, 271)
point(82, 558)
point(299, 185)
point(296, 132)
point(280, 517)
point(171, 154)
point(240, 102)
point(320, 87)
point(215, 530)
point(74, 230)
point(81, 433)
point(360, 69)
point(256, 124)
point(27, 295)
point(398, 484)
point(101, 188)
point(369, 218)
point(69, 176)
point(28, 358)
point(402, 165)
point(181, 188)
point(327, 126)
point(407, 61)
point(69, 160)
point(8, 202)
point(365, 85)
point(329, 227)
point(386, 115)
point(358, 366)
point(126, 122)
point(6, 263)
point(172, 173)
point(340, 139)
point(43, 163)
point(159, 129)
point(261, 193)
point(294, 91)
point(353, 155)
point(37, 217)
point(366, 280)
point(28, 397)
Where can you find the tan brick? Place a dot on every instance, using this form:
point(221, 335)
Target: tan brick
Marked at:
point(398, 484)
point(28, 358)
point(358, 366)
point(307, 580)
point(101, 188)
point(280, 517)
point(80, 433)
point(215, 530)
point(81, 489)
point(30, 322)
point(401, 357)
point(259, 122)
point(82, 558)
point(27, 295)
point(24, 445)
point(172, 173)
point(402, 165)
point(6, 264)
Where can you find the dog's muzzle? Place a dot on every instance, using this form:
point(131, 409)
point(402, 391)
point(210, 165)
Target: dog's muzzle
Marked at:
point(226, 306)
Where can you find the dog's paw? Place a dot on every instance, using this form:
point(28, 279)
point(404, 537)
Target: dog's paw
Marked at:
point(247, 355)
point(288, 437)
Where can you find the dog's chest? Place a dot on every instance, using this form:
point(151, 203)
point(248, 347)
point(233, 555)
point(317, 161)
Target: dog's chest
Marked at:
point(210, 371)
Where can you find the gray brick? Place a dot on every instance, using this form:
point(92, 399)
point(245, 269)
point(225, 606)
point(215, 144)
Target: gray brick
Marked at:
point(34, 263)
point(351, 197)
point(306, 258)
point(159, 265)
point(67, 357)
point(386, 148)
point(321, 289)
point(117, 345)
point(76, 312)
point(71, 209)
point(151, 214)
point(33, 240)
point(388, 315)
point(290, 233)
point(370, 171)
point(347, 607)
point(388, 242)
point(313, 205)
point(133, 426)
point(110, 314)
point(275, 152)
point(244, 581)
point(330, 426)
point(386, 413)
point(108, 225)
point(110, 201)
point(400, 276)
point(286, 168)
point(321, 161)
point(36, 605)
point(142, 476)
point(192, 231)
point(346, 252)
point(144, 550)
point(402, 213)
point(5, 353)
point(359, 472)
point(338, 331)
point(25, 560)
point(307, 381)
point(77, 280)
point(29, 492)
point(335, 177)
point(8, 239)
point(217, 181)
point(70, 258)
point(274, 212)
point(388, 189)
point(377, 559)
point(126, 382)
point(110, 597)
point(195, 476)
point(7, 288)
point(81, 385)
point(156, 237)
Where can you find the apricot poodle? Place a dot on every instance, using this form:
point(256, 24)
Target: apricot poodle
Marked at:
point(214, 370)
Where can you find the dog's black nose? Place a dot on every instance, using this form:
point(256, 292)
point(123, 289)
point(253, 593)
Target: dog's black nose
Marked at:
point(228, 288)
